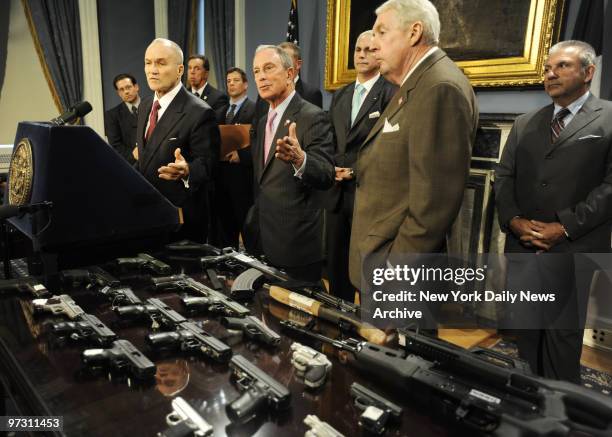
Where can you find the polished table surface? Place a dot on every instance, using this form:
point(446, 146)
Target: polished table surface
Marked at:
point(48, 378)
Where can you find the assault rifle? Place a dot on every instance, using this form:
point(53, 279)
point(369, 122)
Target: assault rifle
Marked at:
point(229, 255)
point(526, 406)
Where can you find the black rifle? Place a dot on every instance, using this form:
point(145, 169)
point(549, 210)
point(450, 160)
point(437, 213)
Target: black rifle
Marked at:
point(23, 285)
point(213, 300)
point(260, 389)
point(231, 256)
point(85, 327)
point(122, 356)
point(189, 337)
point(246, 283)
point(185, 421)
point(253, 328)
point(527, 406)
point(92, 276)
point(186, 246)
point(144, 261)
point(155, 310)
point(376, 409)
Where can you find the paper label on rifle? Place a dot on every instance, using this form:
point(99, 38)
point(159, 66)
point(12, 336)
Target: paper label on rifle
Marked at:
point(243, 258)
point(298, 301)
point(39, 287)
point(485, 397)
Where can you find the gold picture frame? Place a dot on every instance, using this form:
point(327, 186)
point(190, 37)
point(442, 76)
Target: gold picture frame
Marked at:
point(540, 20)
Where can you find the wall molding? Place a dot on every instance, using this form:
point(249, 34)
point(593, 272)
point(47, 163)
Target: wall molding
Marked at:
point(161, 18)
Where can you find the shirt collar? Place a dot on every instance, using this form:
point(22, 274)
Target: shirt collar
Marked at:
point(575, 106)
point(132, 105)
point(368, 84)
point(429, 52)
point(200, 90)
point(167, 98)
point(280, 109)
point(238, 102)
point(296, 78)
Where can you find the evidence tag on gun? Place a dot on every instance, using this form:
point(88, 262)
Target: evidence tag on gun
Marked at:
point(311, 365)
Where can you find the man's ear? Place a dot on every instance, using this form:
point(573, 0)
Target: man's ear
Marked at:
point(416, 32)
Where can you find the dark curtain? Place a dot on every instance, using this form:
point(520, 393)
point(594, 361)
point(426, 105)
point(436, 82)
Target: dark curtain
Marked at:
point(589, 24)
point(181, 24)
point(606, 71)
point(56, 32)
point(220, 32)
point(5, 12)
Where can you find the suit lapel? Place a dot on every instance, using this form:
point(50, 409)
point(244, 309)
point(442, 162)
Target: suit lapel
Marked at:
point(402, 96)
point(590, 111)
point(343, 115)
point(166, 123)
point(144, 111)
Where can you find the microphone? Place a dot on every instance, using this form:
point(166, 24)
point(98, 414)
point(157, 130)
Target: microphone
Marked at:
point(79, 110)
point(8, 211)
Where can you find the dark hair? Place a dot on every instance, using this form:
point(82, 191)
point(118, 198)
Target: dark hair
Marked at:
point(123, 76)
point(237, 70)
point(204, 61)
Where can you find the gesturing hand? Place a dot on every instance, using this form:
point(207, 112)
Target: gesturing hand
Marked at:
point(288, 148)
point(179, 169)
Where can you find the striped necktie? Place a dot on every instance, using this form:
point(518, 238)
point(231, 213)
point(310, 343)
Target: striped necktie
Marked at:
point(557, 124)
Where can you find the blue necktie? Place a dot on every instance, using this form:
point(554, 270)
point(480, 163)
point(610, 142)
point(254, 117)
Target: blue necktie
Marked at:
point(357, 99)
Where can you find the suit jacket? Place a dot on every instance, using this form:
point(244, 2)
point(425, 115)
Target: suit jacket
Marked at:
point(347, 138)
point(216, 100)
point(569, 181)
point(190, 124)
point(120, 127)
point(413, 165)
point(286, 219)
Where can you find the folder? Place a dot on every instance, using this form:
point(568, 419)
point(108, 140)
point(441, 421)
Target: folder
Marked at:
point(233, 137)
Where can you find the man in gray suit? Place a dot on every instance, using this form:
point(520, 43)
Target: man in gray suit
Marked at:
point(291, 160)
point(413, 165)
point(554, 195)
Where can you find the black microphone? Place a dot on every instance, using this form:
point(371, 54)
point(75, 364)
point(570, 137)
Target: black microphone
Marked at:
point(8, 211)
point(79, 110)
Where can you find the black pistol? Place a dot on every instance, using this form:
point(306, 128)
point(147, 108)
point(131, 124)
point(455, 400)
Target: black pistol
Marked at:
point(144, 261)
point(121, 356)
point(253, 328)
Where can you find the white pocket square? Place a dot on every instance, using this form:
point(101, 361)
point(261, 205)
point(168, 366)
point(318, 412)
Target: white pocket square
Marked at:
point(172, 139)
point(586, 137)
point(374, 115)
point(388, 127)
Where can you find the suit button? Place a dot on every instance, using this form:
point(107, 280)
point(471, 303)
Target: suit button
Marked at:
point(544, 184)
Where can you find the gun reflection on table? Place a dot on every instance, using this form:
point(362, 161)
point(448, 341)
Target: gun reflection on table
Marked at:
point(92, 276)
point(229, 255)
point(211, 300)
point(524, 406)
point(122, 356)
point(259, 390)
point(185, 421)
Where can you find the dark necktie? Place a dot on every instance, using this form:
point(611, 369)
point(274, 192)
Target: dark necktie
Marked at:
point(557, 124)
point(195, 93)
point(152, 120)
point(135, 111)
point(230, 115)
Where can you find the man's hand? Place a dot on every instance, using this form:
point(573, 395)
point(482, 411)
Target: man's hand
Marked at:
point(551, 234)
point(233, 157)
point(344, 174)
point(288, 148)
point(179, 169)
point(135, 153)
point(525, 230)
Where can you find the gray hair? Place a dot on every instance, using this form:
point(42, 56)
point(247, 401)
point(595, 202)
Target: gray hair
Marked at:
point(586, 52)
point(172, 45)
point(285, 58)
point(369, 33)
point(410, 11)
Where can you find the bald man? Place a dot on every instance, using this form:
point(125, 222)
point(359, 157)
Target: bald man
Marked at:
point(177, 137)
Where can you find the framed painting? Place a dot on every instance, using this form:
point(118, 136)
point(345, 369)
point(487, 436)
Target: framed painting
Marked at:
point(497, 43)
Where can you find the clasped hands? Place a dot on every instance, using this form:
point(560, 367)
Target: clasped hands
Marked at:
point(536, 234)
point(179, 169)
point(288, 148)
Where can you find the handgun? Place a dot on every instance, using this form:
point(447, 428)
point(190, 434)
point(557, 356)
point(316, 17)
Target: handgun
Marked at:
point(62, 304)
point(120, 295)
point(185, 421)
point(253, 328)
point(85, 327)
point(28, 284)
point(144, 261)
point(376, 409)
point(92, 276)
point(121, 356)
point(259, 389)
point(154, 309)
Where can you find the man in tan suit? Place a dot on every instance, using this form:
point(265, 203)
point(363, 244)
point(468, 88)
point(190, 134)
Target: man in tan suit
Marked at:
point(413, 166)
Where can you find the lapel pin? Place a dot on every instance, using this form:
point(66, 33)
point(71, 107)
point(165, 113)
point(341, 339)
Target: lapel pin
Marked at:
point(287, 122)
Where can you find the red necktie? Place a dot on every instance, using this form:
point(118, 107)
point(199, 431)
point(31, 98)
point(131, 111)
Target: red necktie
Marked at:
point(152, 120)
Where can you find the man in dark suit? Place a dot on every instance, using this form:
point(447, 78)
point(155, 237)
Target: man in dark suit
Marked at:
point(308, 92)
point(553, 191)
point(354, 110)
point(198, 68)
point(178, 137)
point(234, 187)
point(413, 166)
point(120, 121)
point(291, 159)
